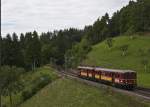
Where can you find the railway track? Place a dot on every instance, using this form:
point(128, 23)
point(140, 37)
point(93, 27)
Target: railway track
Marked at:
point(140, 92)
point(143, 91)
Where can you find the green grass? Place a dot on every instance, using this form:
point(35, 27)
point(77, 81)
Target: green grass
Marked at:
point(102, 56)
point(29, 79)
point(70, 93)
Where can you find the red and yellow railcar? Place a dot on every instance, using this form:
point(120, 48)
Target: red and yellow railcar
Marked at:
point(122, 78)
point(86, 72)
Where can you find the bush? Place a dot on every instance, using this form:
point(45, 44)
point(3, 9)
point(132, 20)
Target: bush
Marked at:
point(4, 105)
point(141, 52)
point(42, 82)
point(38, 84)
point(124, 49)
point(27, 94)
point(148, 51)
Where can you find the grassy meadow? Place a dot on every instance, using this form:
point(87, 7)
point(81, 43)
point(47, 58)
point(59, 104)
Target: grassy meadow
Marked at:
point(138, 49)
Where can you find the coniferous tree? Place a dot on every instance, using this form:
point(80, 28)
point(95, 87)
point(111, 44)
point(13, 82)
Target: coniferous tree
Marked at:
point(7, 43)
point(0, 51)
point(17, 59)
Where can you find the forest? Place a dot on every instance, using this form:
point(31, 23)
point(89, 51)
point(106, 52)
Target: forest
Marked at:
point(31, 50)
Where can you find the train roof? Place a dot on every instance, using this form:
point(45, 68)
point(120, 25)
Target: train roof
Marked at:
point(85, 67)
point(104, 69)
point(112, 70)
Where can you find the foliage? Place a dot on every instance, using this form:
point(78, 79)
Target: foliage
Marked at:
point(109, 42)
point(2, 84)
point(141, 52)
point(124, 49)
point(145, 63)
point(78, 53)
point(32, 50)
point(13, 83)
point(32, 83)
point(26, 95)
point(101, 56)
point(125, 21)
point(39, 83)
point(148, 51)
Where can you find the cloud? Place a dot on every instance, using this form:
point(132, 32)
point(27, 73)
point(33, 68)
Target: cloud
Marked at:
point(48, 15)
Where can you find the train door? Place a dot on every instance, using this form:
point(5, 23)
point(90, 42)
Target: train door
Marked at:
point(113, 78)
point(90, 74)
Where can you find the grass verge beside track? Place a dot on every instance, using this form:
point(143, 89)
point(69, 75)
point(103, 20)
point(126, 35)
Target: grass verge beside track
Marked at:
point(70, 93)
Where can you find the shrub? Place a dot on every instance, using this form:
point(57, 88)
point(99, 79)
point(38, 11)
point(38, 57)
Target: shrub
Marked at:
point(124, 49)
point(145, 63)
point(27, 94)
point(42, 82)
point(148, 51)
point(141, 52)
point(109, 42)
point(39, 83)
point(4, 105)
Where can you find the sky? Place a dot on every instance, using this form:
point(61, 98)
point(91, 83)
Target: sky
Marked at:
point(48, 15)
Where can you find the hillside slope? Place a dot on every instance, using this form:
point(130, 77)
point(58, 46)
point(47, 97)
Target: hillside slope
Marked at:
point(139, 49)
point(70, 93)
point(33, 82)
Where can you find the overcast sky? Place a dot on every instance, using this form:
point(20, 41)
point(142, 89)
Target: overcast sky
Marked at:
point(47, 15)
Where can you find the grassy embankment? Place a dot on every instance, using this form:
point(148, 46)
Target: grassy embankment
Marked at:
point(70, 93)
point(33, 81)
point(139, 49)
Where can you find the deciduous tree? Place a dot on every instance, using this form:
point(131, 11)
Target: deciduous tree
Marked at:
point(124, 49)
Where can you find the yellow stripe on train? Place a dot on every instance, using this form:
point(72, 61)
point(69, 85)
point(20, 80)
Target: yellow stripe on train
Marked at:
point(106, 78)
point(97, 76)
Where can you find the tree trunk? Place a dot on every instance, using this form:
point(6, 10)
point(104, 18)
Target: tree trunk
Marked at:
point(10, 98)
point(34, 65)
point(0, 100)
point(0, 56)
point(123, 54)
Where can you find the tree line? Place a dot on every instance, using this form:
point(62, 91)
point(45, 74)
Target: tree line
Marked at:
point(31, 50)
point(131, 19)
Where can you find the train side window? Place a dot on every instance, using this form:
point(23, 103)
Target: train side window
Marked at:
point(107, 74)
point(117, 75)
point(120, 75)
point(110, 74)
